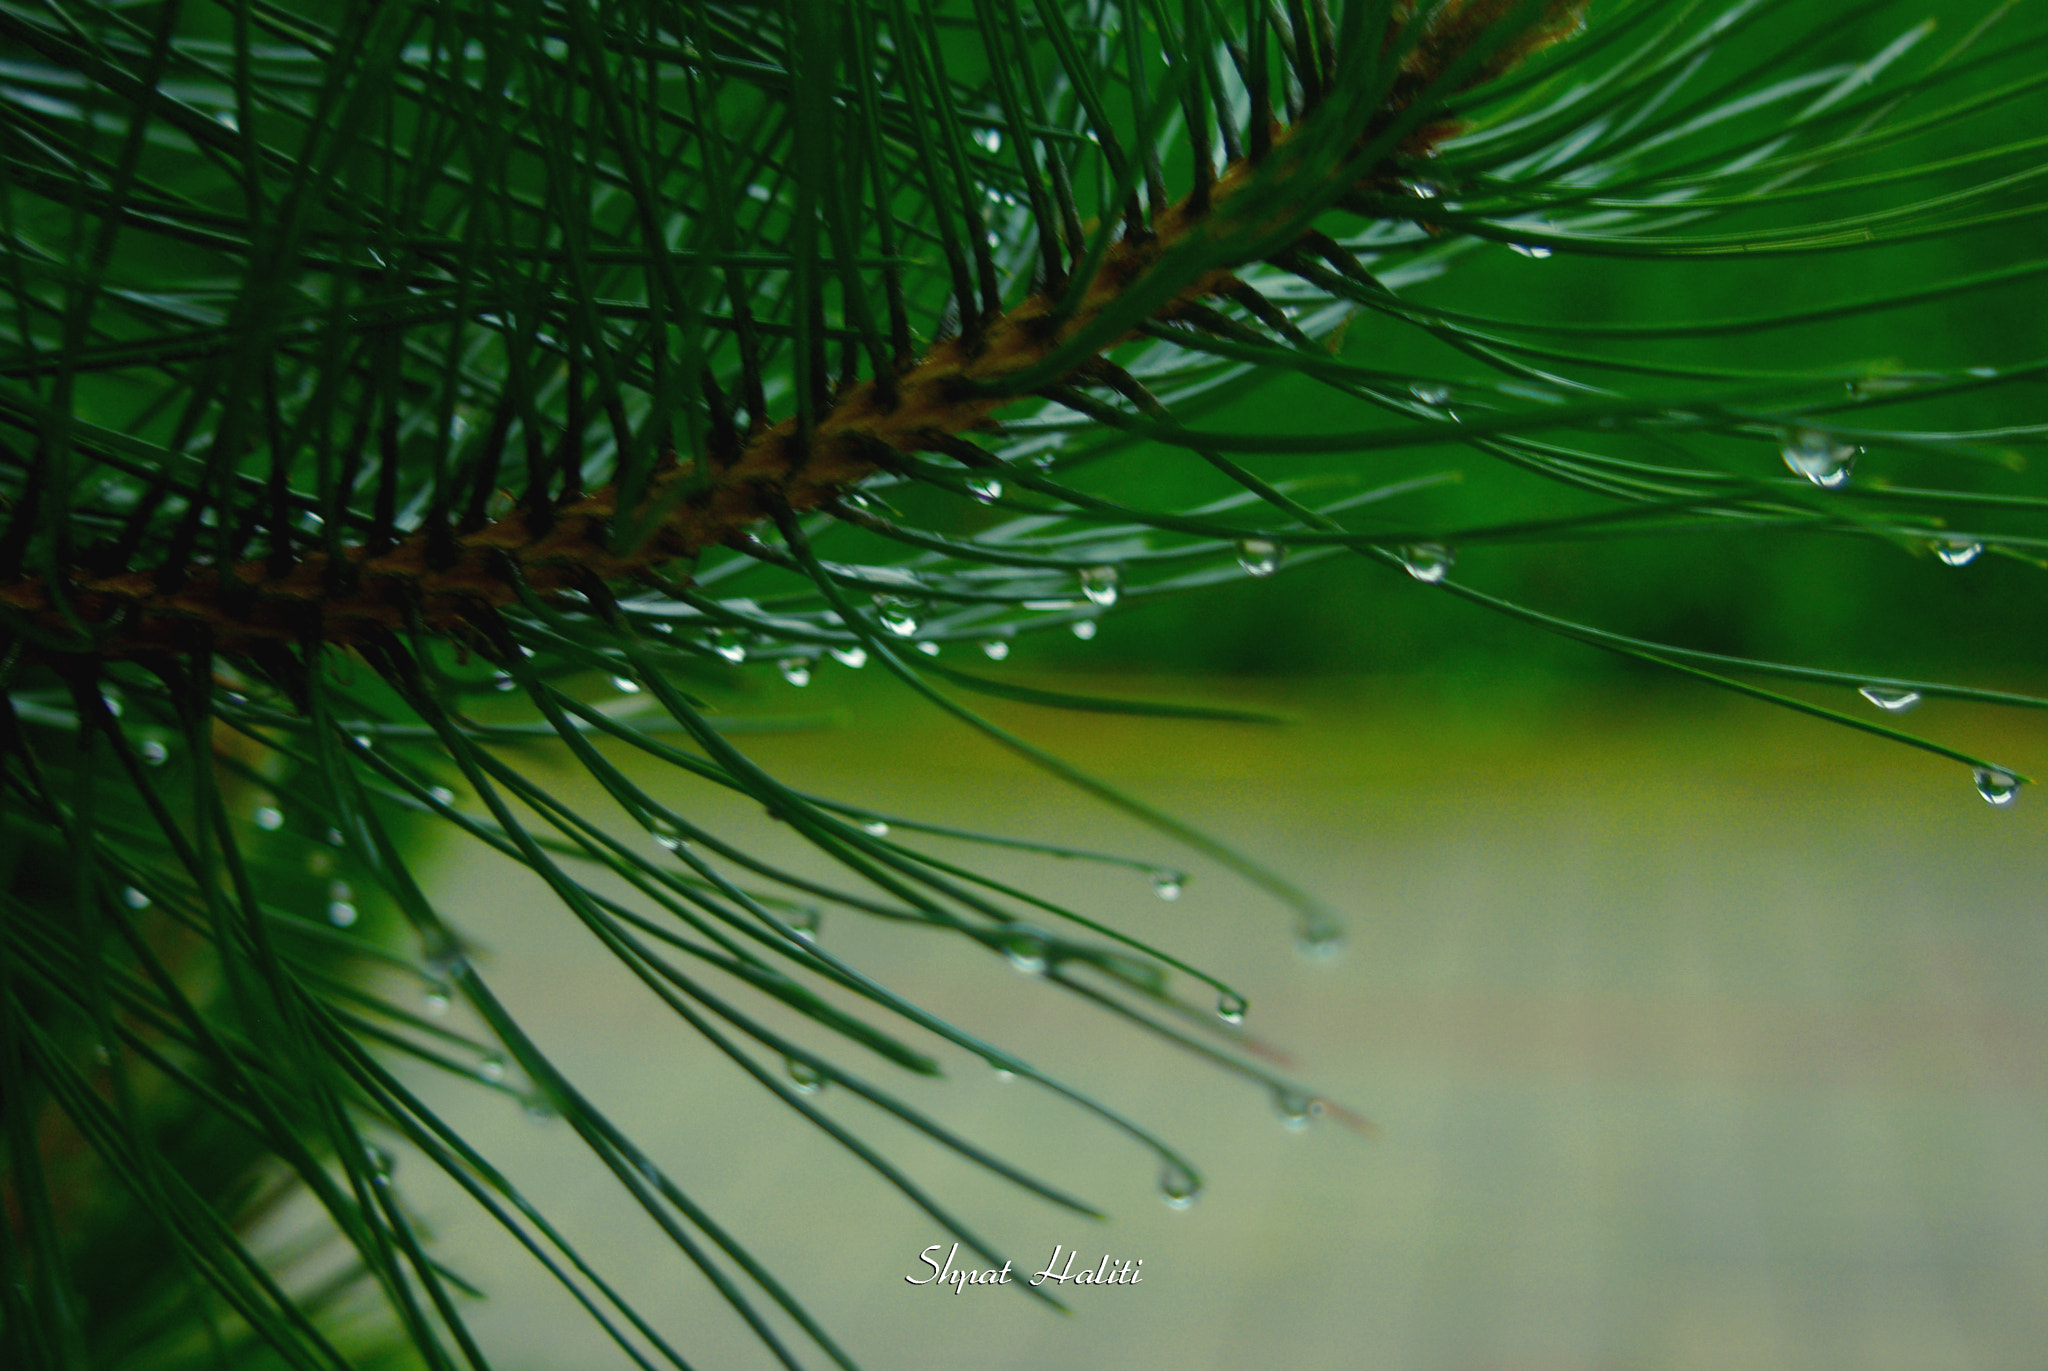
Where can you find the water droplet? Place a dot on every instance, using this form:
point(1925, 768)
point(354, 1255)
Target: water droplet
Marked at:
point(807, 1078)
point(436, 1000)
point(1085, 629)
point(1179, 1185)
point(153, 752)
point(987, 490)
point(1296, 1110)
point(1535, 250)
point(102, 1055)
point(995, 649)
point(1027, 950)
point(1431, 393)
point(1890, 701)
point(1428, 563)
point(806, 922)
point(854, 657)
point(897, 615)
point(666, 834)
point(796, 670)
point(625, 685)
point(341, 913)
point(1259, 557)
point(928, 648)
point(1167, 885)
point(134, 898)
point(441, 795)
point(1997, 787)
point(362, 740)
point(540, 1107)
point(728, 644)
point(269, 818)
point(334, 838)
point(1983, 373)
point(1958, 551)
point(1824, 460)
point(492, 1067)
point(1880, 385)
point(380, 1162)
point(991, 140)
point(875, 828)
point(993, 239)
point(503, 681)
point(1099, 584)
point(1230, 1007)
point(1003, 1074)
point(1319, 942)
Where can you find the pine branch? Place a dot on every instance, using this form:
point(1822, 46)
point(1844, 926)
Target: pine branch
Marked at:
point(440, 580)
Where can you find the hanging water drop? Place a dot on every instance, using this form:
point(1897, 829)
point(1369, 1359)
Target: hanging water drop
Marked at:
point(796, 670)
point(1167, 885)
point(1085, 629)
point(625, 685)
point(1319, 942)
point(1178, 1185)
point(1535, 250)
point(492, 1067)
point(728, 644)
point(134, 898)
point(875, 828)
point(1431, 393)
point(1296, 1110)
point(1958, 551)
point(995, 649)
point(1820, 458)
point(1028, 951)
point(807, 1078)
point(988, 490)
point(1889, 700)
point(1099, 584)
point(1230, 1007)
point(441, 795)
point(334, 838)
point(854, 657)
point(806, 922)
point(1428, 563)
point(666, 834)
point(1997, 787)
point(436, 1000)
point(361, 740)
point(153, 752)
point(341, 913)
point(540, 1106)
point(897, 615)
point(991, 140)
point(1260, 557)
point(269, 818)
point(928, 648)
point(503, 681)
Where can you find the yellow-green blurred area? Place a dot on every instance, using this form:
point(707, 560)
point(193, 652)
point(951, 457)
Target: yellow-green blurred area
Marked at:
point(1695, 1035)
